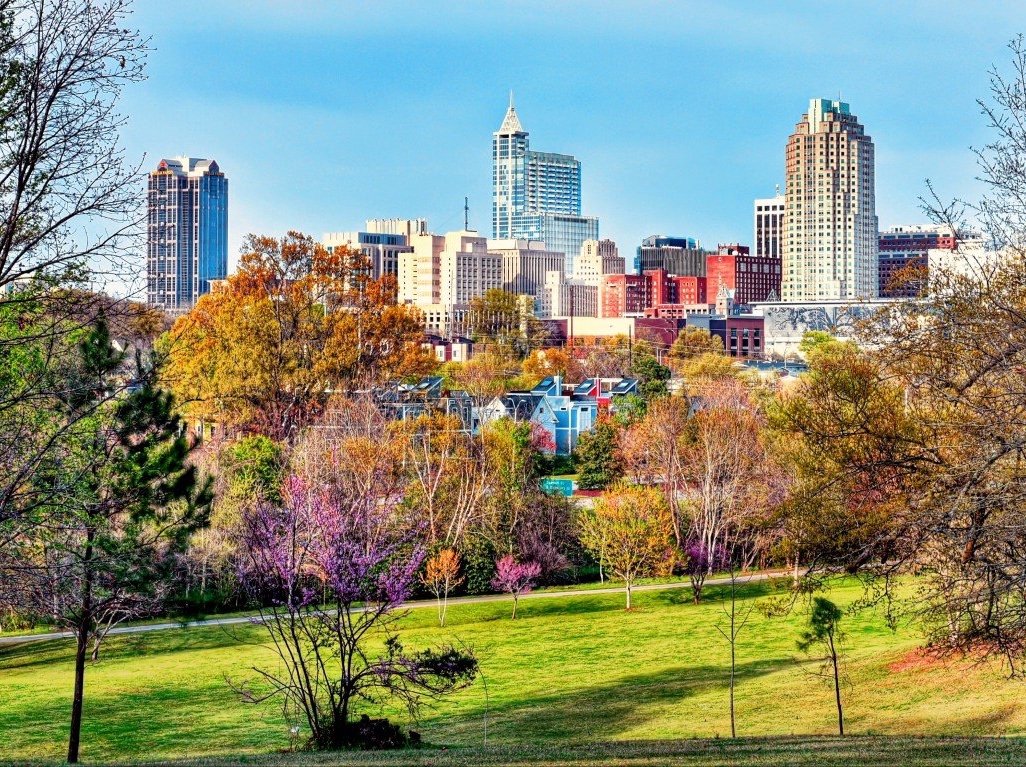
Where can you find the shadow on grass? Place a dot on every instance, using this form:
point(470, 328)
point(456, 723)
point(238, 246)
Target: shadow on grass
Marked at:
point(745, 591)
point(609, 710)
point(129, 646)
point(852, 751)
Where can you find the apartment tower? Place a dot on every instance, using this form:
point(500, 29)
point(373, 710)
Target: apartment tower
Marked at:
point(186, 232)
point(831, 225)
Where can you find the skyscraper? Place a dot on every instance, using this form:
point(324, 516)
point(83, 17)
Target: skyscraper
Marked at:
point(186, 233)
point(830, 251)
point(769, 225)
point(537, 195)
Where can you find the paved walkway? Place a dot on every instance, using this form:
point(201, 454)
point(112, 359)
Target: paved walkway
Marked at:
point(142, 628)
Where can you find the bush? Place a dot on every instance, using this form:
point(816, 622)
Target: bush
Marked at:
point(478, 566)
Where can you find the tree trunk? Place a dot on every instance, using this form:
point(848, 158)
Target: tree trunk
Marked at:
point(733, 651)
point(515, 598)
point(837, 686)
point(628, 595)
point(85, 619)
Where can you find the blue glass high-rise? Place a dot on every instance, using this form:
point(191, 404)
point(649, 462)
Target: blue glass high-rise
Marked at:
point(186, 233)
point(537, 195)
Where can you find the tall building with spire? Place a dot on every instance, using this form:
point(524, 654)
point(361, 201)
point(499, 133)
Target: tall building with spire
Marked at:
point(186, 231)
point(830, 249)
point(537, 195)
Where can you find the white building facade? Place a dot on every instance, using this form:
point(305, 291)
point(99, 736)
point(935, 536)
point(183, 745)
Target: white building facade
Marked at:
point(768, 226)
point(525, 264)
point(596, 259)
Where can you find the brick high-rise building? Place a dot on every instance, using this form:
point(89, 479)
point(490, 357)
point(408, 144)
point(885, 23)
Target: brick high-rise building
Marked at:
point(186, 231)
point(623, 295)
point(902, 247)
point(830, 251)
point(749, 278)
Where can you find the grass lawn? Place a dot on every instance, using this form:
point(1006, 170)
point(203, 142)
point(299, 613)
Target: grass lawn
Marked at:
point(568, 682)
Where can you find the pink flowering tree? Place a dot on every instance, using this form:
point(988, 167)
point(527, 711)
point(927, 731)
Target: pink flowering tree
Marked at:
point(331, 572)
point(515, 578)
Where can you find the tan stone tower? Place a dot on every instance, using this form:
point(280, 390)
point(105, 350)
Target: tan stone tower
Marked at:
point(830, 251)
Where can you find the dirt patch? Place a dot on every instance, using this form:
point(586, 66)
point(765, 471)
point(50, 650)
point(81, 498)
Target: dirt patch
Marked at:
point(920, 659)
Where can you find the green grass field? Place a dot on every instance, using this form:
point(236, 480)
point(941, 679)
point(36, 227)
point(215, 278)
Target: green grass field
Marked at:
point(565, 679)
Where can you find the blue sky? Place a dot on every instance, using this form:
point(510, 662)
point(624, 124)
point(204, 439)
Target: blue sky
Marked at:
point(323, 114)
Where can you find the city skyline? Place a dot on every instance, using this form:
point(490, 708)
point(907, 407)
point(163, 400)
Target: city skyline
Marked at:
point(677, 146)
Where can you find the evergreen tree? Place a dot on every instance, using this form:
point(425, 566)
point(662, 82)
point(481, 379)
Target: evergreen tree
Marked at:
point(597, 462)
point(128, 501)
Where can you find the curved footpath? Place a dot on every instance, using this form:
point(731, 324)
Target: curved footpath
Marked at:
point(142, 628)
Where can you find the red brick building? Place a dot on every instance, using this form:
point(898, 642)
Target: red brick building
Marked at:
point(635, 294)
point(622, 294)
point(902, 247)
point(742, 335)
point(749, 277)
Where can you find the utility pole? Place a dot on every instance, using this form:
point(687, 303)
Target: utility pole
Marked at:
point(573, 295)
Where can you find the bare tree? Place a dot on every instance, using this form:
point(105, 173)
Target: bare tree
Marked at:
point(69, 208)
point(68, 198)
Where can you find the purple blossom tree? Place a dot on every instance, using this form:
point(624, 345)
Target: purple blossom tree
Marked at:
point(699, 562)
point(331, 571)
point(515, 578)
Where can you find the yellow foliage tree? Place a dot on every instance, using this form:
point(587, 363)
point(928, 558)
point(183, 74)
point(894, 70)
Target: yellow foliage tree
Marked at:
point(631, 531)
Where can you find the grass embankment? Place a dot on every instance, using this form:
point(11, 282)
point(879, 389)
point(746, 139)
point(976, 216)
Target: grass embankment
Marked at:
point(565, 678)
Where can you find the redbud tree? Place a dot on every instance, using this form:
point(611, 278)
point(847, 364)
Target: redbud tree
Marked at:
point(331, 571)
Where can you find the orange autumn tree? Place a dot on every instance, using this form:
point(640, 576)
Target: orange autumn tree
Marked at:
point(295, 323)
point(441, 576)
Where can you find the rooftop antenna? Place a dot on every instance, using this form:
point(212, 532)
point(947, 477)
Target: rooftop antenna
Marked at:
point(466, 214)
point(778, 190)
point(510, 98)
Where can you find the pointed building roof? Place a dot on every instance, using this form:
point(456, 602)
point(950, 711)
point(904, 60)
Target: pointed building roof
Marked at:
point(511, 123)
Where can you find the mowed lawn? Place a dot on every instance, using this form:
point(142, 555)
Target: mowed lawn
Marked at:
point(567, 672)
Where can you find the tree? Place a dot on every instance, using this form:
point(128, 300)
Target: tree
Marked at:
point(653, 377)
point(728, 475)
point(319, 540)
point(693, 342)
point(100, 549)
point(701, 370)
point(630, 528)
point(447, 478)
point(504, 321)
point(63, 66)
point(823, 631)
point(249, 470)
point(610, 358)
point(653, 450)
point(515, 578)
point(699, 562)
point(293, 325)
point(597, 456)
point(68, 208)
point(441, 576)
point(737, 620)
point(858, 459)
point(541, 363)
